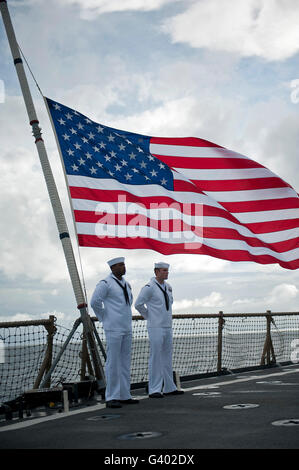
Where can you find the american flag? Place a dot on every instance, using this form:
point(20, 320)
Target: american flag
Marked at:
point(173, 195)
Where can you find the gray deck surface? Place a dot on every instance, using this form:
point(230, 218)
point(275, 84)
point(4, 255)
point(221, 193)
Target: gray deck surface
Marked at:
point(195, 420)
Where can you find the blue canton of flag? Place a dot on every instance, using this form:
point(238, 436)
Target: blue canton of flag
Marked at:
point(90, 149)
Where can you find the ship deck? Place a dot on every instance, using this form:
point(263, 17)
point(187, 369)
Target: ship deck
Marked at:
point(250, 410)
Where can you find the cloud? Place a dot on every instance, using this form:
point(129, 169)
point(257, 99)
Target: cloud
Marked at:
point(262, 28)
point(280, 296)
point(282, 293)
point(214, 299)
point(92, 8)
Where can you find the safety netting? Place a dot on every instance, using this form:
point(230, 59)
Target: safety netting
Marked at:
point(202, 344)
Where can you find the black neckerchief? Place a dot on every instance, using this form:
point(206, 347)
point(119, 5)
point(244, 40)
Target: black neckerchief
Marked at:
point(124, 288)
point(166, 296)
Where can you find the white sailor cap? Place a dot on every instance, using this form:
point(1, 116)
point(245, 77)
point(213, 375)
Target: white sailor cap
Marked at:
point(161, 265)
point(113, 261)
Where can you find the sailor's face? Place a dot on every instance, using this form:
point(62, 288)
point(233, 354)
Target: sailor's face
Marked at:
point(162, 274)
point(119, 269)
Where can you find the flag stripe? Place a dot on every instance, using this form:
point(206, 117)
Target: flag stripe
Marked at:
point(240, 185)
point(90, 186)
point(208, 163)
point(226, 174)
point(167, 249)
point(264, 205)
point(183, 198)
point(211, 225)
point(190, 215)
point(131, 231)
point(173, 150)
point(182, 142)
point(176, 225)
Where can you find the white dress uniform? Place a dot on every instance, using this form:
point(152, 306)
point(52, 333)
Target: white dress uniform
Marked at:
point(151, 304)
point(114, 311)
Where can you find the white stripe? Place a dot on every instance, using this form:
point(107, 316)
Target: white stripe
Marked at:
point(267, 216)
point(243, 217)
point(142, 190)
point(252, 195)
point(133, 231)
point(225, 174)
point(271, 237)
point(155, 211)
point(193, 152)
point(113, 231)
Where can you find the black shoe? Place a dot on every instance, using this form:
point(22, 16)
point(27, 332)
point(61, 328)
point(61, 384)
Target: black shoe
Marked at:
point(113, 404)
point(156, 395)
point(130, 401)
point(175, 392)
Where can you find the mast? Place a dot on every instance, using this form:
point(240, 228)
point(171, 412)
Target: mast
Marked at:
point(54, 197)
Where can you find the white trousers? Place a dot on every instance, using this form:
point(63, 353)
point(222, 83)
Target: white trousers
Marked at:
point(160, 361)
point(118, 365)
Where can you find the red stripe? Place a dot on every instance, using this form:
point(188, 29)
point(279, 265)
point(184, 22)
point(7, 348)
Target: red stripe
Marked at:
point(262, 205)
point(231, 234)
point(186, 186)
point(104, 195)
point(254, 227)
point(149, 202)
point(168, 225)
point(208, 163)
point(228, 185)
point(240, 185)
point(168, 249)
point(185, 141)
point(273, 226)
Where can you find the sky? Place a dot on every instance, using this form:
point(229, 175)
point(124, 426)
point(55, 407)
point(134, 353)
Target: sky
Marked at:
point(222, 70)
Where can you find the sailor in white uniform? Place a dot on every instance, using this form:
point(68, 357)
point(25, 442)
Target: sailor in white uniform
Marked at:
point(154, 303)
point(111, 302)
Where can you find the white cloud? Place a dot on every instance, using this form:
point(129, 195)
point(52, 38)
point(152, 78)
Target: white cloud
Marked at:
point(282, 297)
point(282, 293)
point(263, 28)
point(214, 299)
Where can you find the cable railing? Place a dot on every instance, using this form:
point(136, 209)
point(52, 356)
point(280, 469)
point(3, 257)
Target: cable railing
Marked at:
point(39, 353)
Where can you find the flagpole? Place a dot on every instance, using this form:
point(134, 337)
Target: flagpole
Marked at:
point(53, 194)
